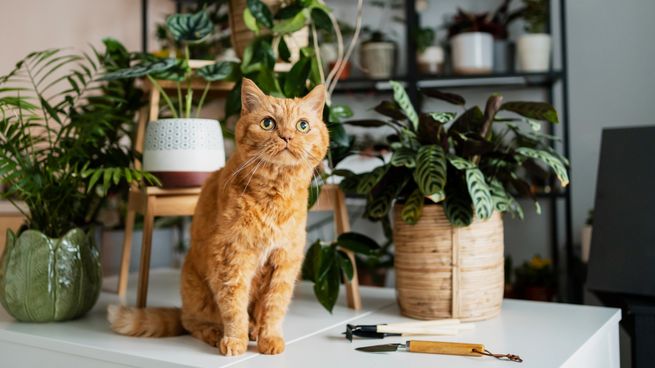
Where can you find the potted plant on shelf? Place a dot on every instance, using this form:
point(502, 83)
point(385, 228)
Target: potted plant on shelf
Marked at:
point(377, 56)
point(533, 49)
point(61, 151)
point(449, 179)
point(535, 279)
point(471, 43)
point(429, 57)
point(182, 151)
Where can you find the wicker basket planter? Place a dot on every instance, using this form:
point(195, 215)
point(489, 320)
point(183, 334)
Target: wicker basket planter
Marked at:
point(242, 36)
point(449, 272)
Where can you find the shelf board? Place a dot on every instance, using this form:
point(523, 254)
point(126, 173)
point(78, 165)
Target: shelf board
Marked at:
point(365, 85)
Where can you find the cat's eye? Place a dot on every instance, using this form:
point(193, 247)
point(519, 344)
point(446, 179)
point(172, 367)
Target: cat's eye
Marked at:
point(302, 126)
point(267, 124)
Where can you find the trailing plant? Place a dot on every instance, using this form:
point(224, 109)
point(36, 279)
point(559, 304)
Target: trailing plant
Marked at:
point(61, 133)
point(458, 159)
point(269, 48)
point(186, 29)
point(326, 264)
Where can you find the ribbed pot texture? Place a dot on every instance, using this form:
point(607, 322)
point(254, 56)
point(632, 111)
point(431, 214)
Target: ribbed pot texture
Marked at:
point(444, 271)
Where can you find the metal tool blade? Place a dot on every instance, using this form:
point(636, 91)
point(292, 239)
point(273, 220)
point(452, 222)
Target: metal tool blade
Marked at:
point(381, 348)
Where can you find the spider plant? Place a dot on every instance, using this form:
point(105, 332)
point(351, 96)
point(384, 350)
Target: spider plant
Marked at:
point(61, 134)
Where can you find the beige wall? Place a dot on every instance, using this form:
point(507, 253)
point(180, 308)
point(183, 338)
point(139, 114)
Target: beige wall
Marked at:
point(29, 25)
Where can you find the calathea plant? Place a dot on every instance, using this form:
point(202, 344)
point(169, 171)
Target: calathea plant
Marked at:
point(185, 29)
point(458, 160)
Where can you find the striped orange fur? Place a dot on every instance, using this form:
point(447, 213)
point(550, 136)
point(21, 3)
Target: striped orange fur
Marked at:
point(248, 231)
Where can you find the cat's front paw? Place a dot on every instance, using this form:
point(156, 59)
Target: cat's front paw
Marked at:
point(270, 345)
point(231, 346)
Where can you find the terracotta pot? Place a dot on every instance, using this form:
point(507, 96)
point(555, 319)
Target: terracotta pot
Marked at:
point(183, 152)
point(444, 271)
point(345, 73)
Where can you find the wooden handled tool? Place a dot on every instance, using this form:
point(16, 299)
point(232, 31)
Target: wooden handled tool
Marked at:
point(439, 347)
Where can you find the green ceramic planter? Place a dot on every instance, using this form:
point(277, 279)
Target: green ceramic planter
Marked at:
point(45, 280)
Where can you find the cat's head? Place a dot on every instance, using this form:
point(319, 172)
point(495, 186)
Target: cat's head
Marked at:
point(282, 131)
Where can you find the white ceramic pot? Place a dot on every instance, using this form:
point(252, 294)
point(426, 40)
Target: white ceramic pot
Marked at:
point(431, 60)
point(472, 53)
point(533, 52)
point(378, 59)
point(183, 152)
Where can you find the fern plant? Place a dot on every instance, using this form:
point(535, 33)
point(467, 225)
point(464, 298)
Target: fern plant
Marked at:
point(62, 135)
point(458, 160)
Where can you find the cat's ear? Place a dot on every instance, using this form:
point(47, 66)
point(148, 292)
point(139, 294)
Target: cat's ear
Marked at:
point(315, 99)
point(251, 95)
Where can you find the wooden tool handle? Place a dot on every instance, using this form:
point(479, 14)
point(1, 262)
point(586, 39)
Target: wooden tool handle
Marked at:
point(449, 348)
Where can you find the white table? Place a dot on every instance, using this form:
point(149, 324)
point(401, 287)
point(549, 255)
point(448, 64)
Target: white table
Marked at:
point(544, 334)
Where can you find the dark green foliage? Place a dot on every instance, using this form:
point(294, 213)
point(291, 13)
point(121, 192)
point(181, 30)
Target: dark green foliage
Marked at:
point(327, 264)
point(190, 27)
point(476, 169)
point(61, 137)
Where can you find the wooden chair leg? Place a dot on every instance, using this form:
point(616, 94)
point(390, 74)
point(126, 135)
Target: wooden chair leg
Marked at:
point(146, 245)
point(342, 225)
point(126, 252)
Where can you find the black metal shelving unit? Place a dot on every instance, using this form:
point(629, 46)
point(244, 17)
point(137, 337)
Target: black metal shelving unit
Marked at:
point(413, 80)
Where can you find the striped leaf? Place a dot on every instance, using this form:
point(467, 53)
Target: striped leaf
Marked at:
point(502, 202)
point(549, 159)
point(430, 173)
point(261, 12)
point(437, 197)
point(480, 194)
point(368, 182)
point(460, 163)
point(458, 209)
point(378, 206)
point(413, 207)
point(533, 110)
point(404, 157)
point(190, 27)
point(148, 67)
point(222, 70)
point(401, 97)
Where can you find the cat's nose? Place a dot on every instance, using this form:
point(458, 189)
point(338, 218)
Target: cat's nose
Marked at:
point(285, 137)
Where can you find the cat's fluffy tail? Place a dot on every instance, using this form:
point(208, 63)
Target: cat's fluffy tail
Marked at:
point(145, 322)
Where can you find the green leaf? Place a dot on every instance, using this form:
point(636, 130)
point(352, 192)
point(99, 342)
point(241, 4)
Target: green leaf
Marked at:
point(479, 192)
point(312, 259)
point(430, 173)
point(390, 109)
point(321, 20)
point(327, 261)
point(549, 159)
point(261, 12)
point(444, 96)
point(366, 123)
point(339, 112)
point(345, 265)
point(283, 50)
point(459, 209)
point(222, 70)
point(314, 193)
point(358, 243)
point(145, 68)
point(338, 135)
point(296, 81)
point(250, 21)
point(190, 27)
point(371, 179)
point(533, 110)
point(350, 183)
point(460, 163)
point(404, 157)
point(290, 25)
point(402, 99)
point(437, 197)
point(327, 289)
point(413, 207)
point(379, 205)
point(502, 202)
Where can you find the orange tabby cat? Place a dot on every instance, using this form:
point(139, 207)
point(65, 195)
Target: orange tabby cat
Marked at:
point(248, 231)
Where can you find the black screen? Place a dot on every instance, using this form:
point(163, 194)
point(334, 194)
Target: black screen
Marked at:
point(622, 254)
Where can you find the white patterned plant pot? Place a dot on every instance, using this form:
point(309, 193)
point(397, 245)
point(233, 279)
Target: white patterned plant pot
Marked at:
point(183, 152)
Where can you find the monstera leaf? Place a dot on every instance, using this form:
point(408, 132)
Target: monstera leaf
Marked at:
point(147, 67)
point(190, 28)
point(221, 71)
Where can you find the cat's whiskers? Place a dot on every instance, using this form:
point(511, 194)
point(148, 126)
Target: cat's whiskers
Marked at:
point(250, 161)
point(252, 173)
